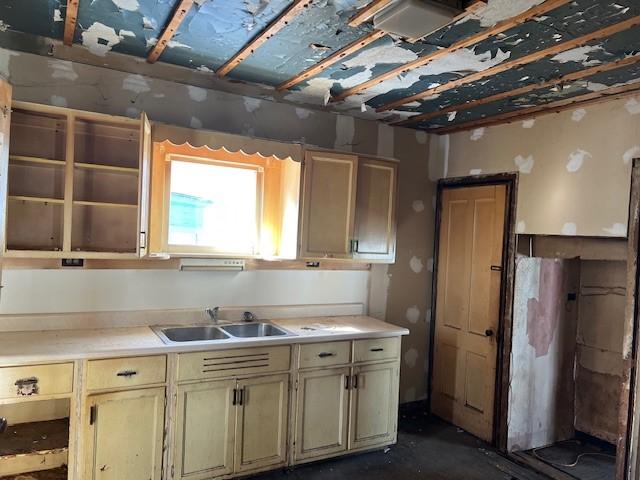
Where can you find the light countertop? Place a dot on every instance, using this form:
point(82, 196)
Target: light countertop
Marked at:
point(60, 345)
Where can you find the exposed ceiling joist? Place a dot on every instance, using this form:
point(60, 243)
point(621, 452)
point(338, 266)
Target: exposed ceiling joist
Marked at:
point(587, 72)
point(365, 13)
point(467, 42)
point(518, 62)
point(170, 29)
point(274, 27)
point(554, 107)
point(70, 21)
point(331, 59)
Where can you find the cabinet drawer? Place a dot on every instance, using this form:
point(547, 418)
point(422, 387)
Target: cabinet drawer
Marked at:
point(376, 349)
point(126, 372)
point(36, 380)
point(325, 354)
point(231, 363)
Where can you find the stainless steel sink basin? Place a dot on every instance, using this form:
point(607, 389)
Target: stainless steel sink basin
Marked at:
point(245, 330)
point(192, 334)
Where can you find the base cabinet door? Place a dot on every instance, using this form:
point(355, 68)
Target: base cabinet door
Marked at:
point(205, 430)
point(321, 413)
point(374, 405)
point(125, 434)
point(262, 422)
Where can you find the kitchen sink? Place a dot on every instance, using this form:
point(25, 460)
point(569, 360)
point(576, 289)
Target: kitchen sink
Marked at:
point(191, 334)
point(245, 330)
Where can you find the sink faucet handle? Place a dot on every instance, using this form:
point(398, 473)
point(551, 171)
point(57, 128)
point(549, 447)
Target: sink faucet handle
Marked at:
point(213, 313)
point(248, 317)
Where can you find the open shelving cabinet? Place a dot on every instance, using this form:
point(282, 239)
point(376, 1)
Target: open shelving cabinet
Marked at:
point(77, 184)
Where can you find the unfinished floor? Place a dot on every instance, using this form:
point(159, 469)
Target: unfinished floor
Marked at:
point(427, 448)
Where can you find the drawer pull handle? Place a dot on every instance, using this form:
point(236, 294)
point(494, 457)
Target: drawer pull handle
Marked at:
point(378, 349)
point(235, 397)
point(355, 381)
point(127, 373)
point(346, 382)
point(27, 386)
point(326, 354)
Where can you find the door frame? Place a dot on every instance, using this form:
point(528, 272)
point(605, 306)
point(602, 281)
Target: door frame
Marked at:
point(501, 403)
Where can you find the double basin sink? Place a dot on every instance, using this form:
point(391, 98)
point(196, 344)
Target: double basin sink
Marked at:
point(210, 333)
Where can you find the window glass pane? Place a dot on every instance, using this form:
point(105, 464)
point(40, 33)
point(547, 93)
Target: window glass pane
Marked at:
point(213, 206)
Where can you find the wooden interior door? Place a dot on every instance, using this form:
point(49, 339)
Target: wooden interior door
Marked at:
point(328, 208)
point(322, 413)
point(125, 434)
point(468, 306)
point(261, 430)
point(205, 430)
point(374, 405)
point(375, 223)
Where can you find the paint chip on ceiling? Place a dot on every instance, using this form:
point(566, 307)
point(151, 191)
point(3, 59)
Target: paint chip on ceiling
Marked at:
point(498, 10)
point(129, 5)
point(100, 39)
point(579, 55)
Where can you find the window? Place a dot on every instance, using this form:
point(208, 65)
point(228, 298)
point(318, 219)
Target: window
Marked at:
point(214, 206)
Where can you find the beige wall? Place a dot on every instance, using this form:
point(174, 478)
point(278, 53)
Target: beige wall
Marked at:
point(401, 291)
point(574, 166)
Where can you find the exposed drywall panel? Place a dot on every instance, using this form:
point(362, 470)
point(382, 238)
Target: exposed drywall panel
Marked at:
point(55, 291)
point(599, 347)
point(541, 390)
point(574, 175)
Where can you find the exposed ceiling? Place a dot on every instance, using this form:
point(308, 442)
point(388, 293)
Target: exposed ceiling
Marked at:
point(499, 61)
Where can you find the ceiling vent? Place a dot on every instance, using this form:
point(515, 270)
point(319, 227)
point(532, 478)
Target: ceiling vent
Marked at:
point(414, 19)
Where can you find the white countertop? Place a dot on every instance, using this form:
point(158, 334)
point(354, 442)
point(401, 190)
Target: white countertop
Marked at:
point(59, 345)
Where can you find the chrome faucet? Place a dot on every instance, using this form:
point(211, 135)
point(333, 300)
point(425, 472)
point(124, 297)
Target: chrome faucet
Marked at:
point(213, 313)
point(249, 317)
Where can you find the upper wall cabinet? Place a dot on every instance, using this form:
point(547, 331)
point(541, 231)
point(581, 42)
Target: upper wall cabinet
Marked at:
point(77, 184)
point(349, 205)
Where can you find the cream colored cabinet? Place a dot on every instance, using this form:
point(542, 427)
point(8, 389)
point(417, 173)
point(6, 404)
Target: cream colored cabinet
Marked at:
point(323, 410)
point(374, 405)
point(123, 440)
point(231, 426)
point(349, 208)
point(375, 217)
point(328, 205)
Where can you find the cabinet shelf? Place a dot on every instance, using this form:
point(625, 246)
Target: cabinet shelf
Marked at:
point(108, 168)
point(38, 445)
point(24, 198)
point(104, 204)
point(38, 161)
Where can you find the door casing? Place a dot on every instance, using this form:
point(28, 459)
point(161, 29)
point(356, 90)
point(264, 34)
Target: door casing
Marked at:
point(510, 180)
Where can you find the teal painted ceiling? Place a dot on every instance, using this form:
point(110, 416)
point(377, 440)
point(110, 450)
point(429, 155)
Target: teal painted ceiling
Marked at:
point(214, 30)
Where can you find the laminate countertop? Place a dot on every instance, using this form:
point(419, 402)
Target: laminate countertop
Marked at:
point(31, 347)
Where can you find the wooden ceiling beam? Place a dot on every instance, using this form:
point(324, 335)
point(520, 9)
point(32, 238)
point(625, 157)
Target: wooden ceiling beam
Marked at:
point(467, 42)
point(365, 13)
point(612, 93)
point(296, 7)
point(331, 59)
point(70, 21)
point(170, 29)
point(516, 63)
point(587, 72)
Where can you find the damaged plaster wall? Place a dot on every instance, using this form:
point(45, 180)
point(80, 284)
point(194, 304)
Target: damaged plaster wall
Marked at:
point(599, 362)
point(406, 285)
point(541, 390)
point(575, 166)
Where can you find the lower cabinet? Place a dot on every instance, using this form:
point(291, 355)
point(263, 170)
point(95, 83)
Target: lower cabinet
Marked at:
point(124, 435)
point(345, 409)
point(231, 426)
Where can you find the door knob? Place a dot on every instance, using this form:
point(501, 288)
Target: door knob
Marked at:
point(488, 332)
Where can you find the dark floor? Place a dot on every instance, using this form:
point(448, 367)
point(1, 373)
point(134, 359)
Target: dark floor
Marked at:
point(584, 458)
point(427, 449)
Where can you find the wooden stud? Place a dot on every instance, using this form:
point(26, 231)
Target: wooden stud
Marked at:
point(490, 32)
point(367, 12)
point(170, 29)
point(554, 107)
point(274, 27)
point(331, 59)
point(70, 20)
point(516, 63)
point(521, 91)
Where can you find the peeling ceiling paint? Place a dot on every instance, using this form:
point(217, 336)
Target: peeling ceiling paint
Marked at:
point(214, 30)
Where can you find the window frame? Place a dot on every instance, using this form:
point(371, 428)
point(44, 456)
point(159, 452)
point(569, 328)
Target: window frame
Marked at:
point(194, 250)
